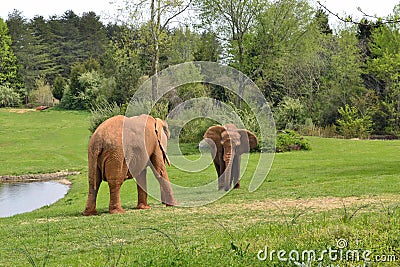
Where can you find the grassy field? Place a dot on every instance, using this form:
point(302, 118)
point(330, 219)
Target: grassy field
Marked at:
point(341, 197)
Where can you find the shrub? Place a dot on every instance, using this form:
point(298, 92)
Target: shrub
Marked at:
point(352, 124)
point(192, 131)
point(290, 114)
point(58, 87)
point(289, 140)
point(8, 98)
point(101, 112)
point(42, 94)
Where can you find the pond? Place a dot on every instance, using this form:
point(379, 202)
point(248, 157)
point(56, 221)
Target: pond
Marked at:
point(16, 198)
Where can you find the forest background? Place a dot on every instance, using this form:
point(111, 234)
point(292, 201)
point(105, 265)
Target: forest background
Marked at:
point(317, 80)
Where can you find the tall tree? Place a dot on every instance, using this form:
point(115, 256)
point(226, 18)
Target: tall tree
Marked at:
point(233, 19)
point(384, 65)
point(8, 61)
point(280, 39)
point(162, 14)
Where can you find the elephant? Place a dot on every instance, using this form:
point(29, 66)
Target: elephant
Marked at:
point(227, 144)
point(122, 148)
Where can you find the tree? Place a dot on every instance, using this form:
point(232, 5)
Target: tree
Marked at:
point(384, 65)
point(284, 39)
point(208, 48)
point(351, 124)
point(93, 36)
point(233, 19)
point(8, 61)
point(8, 97)
point(59, 85)
point(322, 22)
point(162, 14)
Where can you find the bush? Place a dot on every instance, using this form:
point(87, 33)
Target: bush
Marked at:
point(290, 114)
point(192, 131)
point(289, 140)
point(58, 87)
point(352, 124)
point(102, 112)
point(42, 95)
point(8, 98)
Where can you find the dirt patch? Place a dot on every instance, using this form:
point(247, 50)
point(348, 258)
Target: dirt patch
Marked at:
point(319, 204)
point(20, 110)
point(61, 175)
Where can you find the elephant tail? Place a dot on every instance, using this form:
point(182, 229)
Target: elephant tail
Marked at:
point(95, 173)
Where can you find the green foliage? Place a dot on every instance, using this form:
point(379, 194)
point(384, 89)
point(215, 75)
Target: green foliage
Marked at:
point(87, 87)
point(289, 140)
point(8, 61)
point(58, 87)
point(290, 114)
point(192, 131)
point(101, 112)
point(384, 69)
point(50, 47)
point(303, 68)
point(42, 94)
point(208, 48)
point(8, 98)
point(352, 124)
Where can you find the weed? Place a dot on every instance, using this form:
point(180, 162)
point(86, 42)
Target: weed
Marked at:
point(34, 260)
point(347, 215)
point(113, 246)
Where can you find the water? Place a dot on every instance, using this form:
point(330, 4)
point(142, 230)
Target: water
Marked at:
point(19, 198)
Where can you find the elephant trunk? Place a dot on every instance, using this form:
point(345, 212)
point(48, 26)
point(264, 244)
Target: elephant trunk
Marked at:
point(228, 158)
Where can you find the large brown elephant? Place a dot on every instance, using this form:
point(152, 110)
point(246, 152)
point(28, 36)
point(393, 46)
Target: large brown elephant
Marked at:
point(121, 142)
point(227, 144)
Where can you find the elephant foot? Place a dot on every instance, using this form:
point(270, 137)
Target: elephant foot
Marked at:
point(171, 204)
point(142, 206)
point(90, 212)
point(117, 211)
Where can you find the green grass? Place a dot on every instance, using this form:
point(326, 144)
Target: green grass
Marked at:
point(46, 141)
point(340, 189)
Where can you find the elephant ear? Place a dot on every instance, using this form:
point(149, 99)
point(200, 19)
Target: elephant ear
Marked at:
point(163, 134)
point(213, 136)
point(248, 141)
point(166, 129)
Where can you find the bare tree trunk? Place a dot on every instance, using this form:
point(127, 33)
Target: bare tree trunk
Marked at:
point(241, 78)
point(155, 32)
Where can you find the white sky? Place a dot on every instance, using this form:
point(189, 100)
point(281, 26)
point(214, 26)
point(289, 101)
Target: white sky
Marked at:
point(46, 8)
point(380, 8)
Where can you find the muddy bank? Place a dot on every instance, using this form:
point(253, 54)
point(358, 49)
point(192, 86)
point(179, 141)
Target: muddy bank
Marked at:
point(36, 177)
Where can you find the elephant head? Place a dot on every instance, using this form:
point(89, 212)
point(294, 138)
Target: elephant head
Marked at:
point(227, 144)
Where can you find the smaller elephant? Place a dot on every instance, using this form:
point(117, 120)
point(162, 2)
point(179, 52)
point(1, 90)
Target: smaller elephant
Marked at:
point(227, 144)
point(122, 148)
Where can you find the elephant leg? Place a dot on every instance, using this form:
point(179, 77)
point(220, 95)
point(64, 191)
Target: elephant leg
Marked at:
point(142, 191)
point(236, 172)
point(221, 173)
point(115, 200)
point(94, 185)
point(160, 172)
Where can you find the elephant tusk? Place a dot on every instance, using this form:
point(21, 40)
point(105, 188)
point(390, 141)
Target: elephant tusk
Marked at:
point(165, 156)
